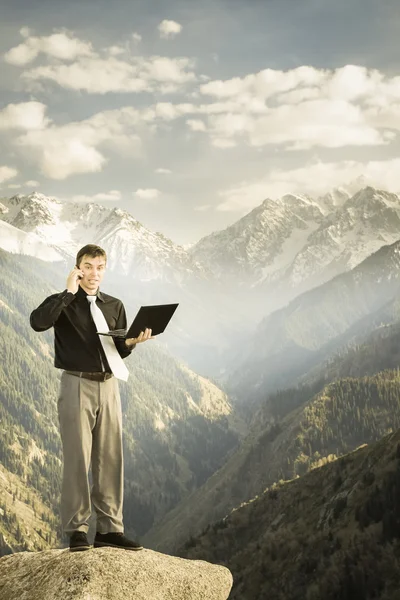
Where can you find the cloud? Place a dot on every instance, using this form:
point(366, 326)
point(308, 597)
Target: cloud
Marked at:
point(303, 108)
point(26, 115)
point(61, 45)
point(112, 195)
point(162, 171)
point(31, 183)
point(25, 32)
point(169, 29)
point(196, 125)
point(74, 64)
point(7, 173)
point(78, 147)
point(314, 179)
point(147, 194)
point(115, 50)
point(103, 75)
point(14, 186)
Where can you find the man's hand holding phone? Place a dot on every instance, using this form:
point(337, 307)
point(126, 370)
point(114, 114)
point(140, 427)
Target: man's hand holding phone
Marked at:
point(73, 280)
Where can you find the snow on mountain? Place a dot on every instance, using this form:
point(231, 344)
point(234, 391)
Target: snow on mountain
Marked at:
point(262, 243)
point(363, 224)
point(19, 242)
point(278, 250)
point(333, 199)
point(286, 246)
point(131, 248)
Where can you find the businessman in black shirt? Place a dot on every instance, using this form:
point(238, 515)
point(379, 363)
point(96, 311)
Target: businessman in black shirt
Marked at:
point(89, 405)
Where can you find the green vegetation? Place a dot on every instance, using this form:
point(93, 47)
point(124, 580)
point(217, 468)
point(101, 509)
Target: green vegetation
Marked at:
point(333, 534)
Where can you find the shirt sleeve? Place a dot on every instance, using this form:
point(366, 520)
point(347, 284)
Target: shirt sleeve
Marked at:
point(47, 313)
point(122, 348)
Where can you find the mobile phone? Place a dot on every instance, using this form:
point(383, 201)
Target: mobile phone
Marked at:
point(79, 276)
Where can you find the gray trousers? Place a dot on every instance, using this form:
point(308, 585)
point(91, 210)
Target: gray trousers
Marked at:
point(90, 418)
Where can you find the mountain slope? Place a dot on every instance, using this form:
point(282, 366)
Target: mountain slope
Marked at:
point(288, 341)
point(333, 534)
point(337, 419)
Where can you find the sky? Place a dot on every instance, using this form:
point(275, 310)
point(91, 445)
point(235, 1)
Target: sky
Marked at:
point(189, 114)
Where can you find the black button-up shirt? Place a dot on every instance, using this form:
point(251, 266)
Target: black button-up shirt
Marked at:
point(77, 344)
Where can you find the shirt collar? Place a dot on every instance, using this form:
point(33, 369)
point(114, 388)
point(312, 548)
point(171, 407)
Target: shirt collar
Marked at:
point(81, 293)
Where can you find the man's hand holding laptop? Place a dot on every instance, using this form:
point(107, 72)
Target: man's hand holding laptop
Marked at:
point(142, 337)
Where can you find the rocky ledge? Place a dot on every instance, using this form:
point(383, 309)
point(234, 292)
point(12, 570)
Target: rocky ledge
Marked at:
point(110, 574)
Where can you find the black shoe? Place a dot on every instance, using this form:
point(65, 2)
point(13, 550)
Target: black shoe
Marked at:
point(115, 540)
point(78, 541)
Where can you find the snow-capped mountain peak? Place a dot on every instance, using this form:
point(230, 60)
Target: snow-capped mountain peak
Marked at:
point(65, 227)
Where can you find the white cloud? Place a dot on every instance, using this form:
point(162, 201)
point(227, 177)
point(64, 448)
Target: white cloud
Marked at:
point(31, 183)
point(7, 173)
point(196, 124)
point(26, 115)
point(328, 123)
point(25, 32)
point(61, 45)
point(169, 29)
point(147, 194)
point(111, 74)
point(304, 108)
point(314, 179)
point(163, 171)
point(137, 38)
point(100, 72)
point(115, 50)
point(74, 148)
point(14, 186)
point(112, 195)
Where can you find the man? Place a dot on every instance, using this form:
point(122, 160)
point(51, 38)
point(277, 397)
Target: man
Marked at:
point(89, 405)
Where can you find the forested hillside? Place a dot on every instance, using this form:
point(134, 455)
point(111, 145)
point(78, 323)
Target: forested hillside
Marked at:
point(333, 534)
point(341, 416)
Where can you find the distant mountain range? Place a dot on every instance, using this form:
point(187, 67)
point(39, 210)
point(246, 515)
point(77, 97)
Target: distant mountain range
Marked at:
point(227, 281)
point(285, 247)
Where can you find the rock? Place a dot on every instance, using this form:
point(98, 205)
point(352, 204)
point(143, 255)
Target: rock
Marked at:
point(110, 574)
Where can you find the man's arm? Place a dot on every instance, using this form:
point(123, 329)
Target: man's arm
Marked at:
point(121, 323)
point(47, 313)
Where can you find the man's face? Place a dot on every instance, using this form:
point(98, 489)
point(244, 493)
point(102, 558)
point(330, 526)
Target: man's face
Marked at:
point(93, 269)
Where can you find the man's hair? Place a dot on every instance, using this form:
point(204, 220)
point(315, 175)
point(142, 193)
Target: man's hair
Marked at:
point(90, 250)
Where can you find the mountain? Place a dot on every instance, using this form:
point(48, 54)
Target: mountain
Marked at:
point(347, 236)
point(131, 248)
point(146, 267)
point(16, 241)
point(333, 534)
point(285, 247)
point(288, 342)
point(228, 281)
point(262, 243)
point(178, 426)
point(319, 427)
